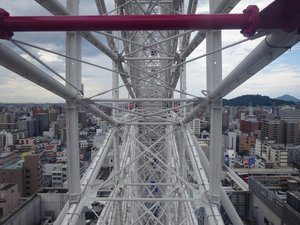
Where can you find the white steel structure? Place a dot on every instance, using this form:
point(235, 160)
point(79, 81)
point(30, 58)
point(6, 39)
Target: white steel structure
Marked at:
point(161, 175)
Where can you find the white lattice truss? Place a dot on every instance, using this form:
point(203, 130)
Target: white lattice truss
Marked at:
point(161, 175)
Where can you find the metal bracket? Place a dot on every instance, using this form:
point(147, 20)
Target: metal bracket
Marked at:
point(4, 34)
point(216, 103)
point(253, 12)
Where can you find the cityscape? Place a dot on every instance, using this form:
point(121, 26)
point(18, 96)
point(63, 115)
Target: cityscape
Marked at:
point(149, 112)
point(257, 141)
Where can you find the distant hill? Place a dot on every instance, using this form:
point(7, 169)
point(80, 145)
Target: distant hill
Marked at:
point(289, 98)
point(255, 100)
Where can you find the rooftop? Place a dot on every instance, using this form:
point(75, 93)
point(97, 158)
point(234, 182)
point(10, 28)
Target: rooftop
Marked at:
point(13, 164)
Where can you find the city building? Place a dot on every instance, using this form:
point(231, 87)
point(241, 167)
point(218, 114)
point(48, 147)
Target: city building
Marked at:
point(43, 119)
point(249, 125)
point(274, 200)
point(9, 198)
point(279, 155)
point(32, 126)
point(294, 156)
point(232, 140)
point(291, 132)
point(229, 157)
point(159, 172)
point(270, 129)
point(59, 175)
point(195, 125)
point(246, 143)
point(25, 173)
point(82, 118)
point(7, 118)
point(33, 174)
point(258, 145)
point(290, 114)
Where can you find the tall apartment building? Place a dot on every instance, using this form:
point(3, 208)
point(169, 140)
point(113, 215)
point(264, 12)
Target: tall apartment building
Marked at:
point(33, 174)
point(290, 114)
point(7, 121)
point(82, 118)
point(43, 119)
point(195, 126)
point(279, 155)
point(271, 130)
point(249, 125)
point(7, 118)
point(291, 132)
point(26, 174)
point(30, 125)
point(231, 140)
point(2, 139)
point(225, 119)
point(258, 146)
point(246, 142)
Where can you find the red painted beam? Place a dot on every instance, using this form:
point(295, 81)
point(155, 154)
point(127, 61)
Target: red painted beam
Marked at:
point(104, 23)
point(9, 24)
point(278, 15)
point(281, 14)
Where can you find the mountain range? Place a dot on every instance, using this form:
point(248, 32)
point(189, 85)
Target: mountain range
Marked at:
point(259, 100)
point(289, 98)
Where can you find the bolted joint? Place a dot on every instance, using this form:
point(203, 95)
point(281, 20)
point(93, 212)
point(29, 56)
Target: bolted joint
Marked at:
point(252, 12)
point(216, 103)
point(74, 198)
point(213, 199)
point(4, 34)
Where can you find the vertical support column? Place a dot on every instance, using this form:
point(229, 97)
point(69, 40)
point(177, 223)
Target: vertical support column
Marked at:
point(115, 92)
point(214, 77)
point(73, 76)
point(181, 154)
point(183, 86)
point(169, 140)
point(118, 206)
point(115, 95)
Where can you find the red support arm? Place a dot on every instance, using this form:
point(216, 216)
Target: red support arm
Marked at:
point(278, 15)
point(9, 24)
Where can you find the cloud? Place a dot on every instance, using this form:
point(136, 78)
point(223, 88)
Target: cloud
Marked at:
point(16, 89)
point(276, 79)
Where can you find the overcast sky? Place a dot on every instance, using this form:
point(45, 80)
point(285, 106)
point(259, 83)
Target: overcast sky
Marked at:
point(280, 77)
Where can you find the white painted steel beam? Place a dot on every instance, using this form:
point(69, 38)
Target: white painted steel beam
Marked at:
point(274, 45)
point(239, 181)
point(56, 8)
point(225, 201)
point(21, 66)
point(73, 76)
point(213, 79)
point(223, 6)
point(71, 215)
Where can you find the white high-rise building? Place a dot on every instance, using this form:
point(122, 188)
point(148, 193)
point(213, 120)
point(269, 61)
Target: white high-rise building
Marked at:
point(258, 147)
point(9, 139)
point(231, 143)
point(195, 126)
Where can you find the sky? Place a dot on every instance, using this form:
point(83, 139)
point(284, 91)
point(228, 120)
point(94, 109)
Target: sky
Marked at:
point(281, 77)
